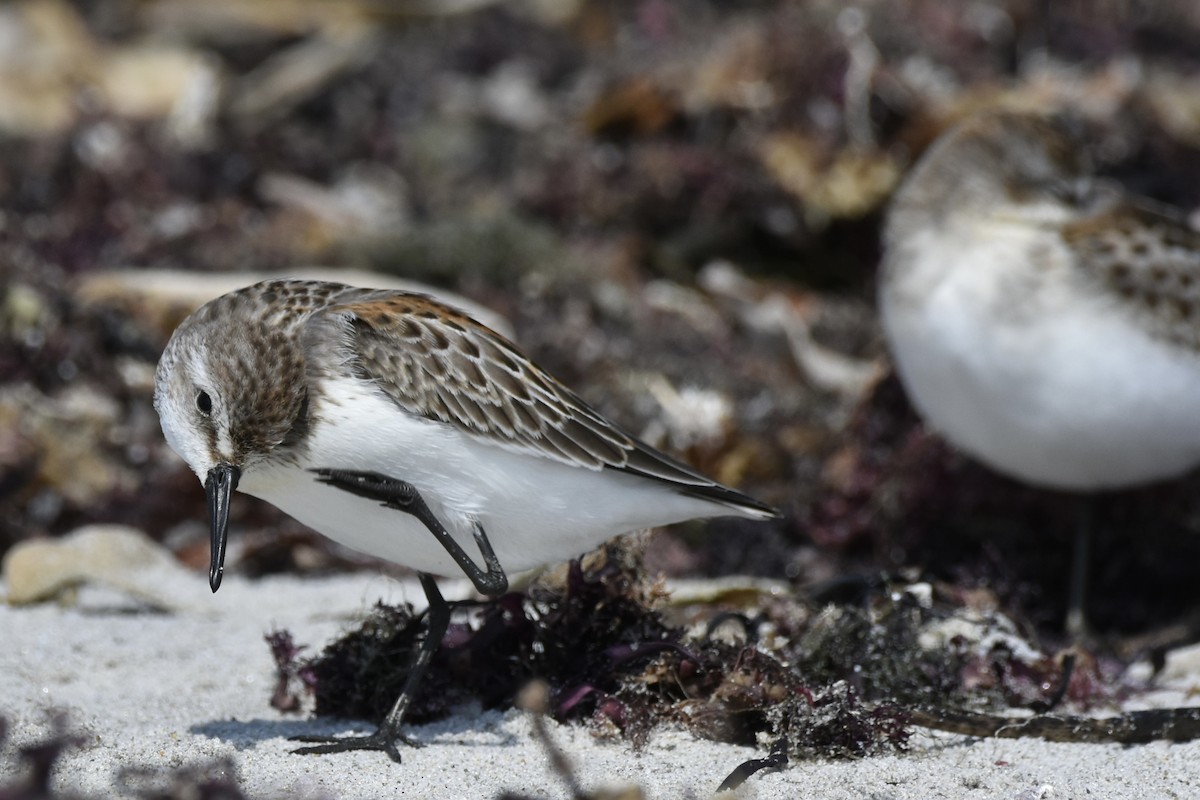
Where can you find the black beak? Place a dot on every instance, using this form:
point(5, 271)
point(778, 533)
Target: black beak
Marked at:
point(222, 480)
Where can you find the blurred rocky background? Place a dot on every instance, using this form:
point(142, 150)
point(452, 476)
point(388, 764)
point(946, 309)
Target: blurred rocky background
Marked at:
point(675, 204)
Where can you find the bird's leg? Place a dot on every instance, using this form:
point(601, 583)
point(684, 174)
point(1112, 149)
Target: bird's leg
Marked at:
point(403, 496)
point(1076, 624)
point(388, 735)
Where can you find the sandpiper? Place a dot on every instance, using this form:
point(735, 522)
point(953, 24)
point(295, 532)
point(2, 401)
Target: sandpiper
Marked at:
point(1045, 322)
point(401, 427)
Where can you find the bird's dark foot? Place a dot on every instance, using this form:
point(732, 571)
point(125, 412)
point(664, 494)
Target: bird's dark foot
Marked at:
point(381, 740)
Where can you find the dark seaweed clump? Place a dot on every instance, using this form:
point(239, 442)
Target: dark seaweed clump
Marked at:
point(609, 658)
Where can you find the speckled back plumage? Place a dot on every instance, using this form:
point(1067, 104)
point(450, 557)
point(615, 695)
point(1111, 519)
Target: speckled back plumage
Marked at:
point(1150, 258)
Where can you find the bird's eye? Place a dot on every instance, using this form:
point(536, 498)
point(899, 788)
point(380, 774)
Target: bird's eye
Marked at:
point(204, 403)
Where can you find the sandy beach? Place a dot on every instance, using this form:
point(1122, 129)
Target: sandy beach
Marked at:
point(164, 691)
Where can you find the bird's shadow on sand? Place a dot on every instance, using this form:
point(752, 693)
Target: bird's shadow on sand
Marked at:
point(478, 729)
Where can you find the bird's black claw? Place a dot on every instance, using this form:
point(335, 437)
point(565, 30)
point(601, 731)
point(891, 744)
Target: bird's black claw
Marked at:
point(380, 740)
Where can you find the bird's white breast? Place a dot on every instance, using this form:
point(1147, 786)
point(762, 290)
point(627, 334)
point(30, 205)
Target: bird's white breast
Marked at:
point(1037, 373)
point(533, 509)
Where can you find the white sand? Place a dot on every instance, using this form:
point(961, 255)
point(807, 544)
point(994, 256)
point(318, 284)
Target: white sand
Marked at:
point(164, 690)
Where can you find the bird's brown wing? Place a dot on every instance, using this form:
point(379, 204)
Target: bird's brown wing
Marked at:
point(1148, 258)
point(438, 363)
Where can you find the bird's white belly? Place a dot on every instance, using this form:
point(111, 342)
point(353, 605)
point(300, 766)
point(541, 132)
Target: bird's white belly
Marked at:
point(1060, 391)
point(533, 510)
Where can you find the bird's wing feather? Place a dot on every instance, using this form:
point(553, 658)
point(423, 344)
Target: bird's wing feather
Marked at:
point(1148, 258)
point(438, 363)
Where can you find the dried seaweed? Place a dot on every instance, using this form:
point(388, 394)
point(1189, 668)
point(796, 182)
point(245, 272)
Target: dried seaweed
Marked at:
point(608, 658)
point(898, 496)
point(285, 651)
point(1131, 727)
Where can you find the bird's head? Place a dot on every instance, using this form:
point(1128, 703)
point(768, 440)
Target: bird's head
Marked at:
point(230, 395)
point(1007, 164)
